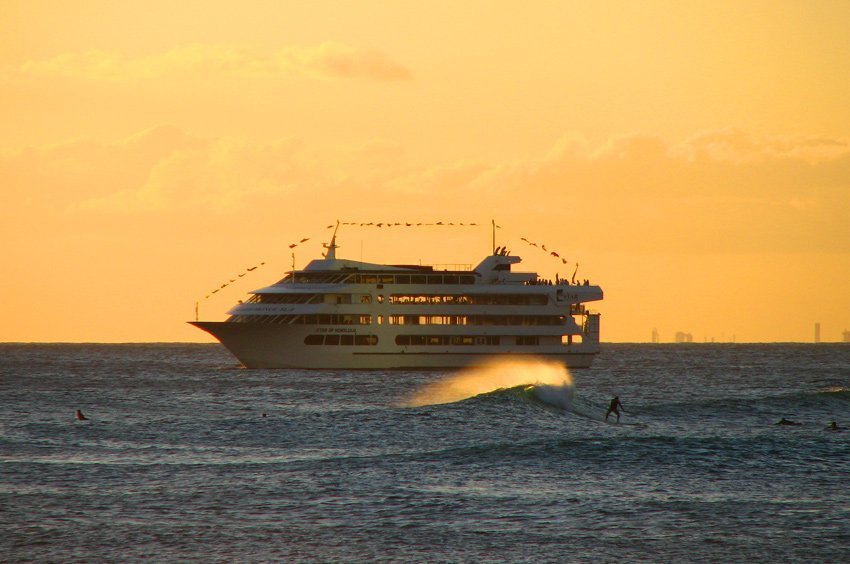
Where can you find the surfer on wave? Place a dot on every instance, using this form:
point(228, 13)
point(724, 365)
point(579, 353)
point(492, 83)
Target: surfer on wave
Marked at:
point(613, 408)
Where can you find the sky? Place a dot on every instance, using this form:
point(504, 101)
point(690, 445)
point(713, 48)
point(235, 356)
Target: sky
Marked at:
point(692, 158)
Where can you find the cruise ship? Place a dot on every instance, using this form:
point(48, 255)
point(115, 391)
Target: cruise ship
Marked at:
point(344, 314)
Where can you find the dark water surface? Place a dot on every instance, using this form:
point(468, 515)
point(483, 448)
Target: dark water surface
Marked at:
point(177, 463)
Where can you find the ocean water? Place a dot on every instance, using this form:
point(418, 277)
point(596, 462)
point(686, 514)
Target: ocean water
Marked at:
point(176, 461)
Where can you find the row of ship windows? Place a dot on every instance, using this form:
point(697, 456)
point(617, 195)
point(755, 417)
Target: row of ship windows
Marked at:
point(369, 340)
point(476, 319)
point(318, 319)
point(483, 299)
point(447, 299)
point(346, 319)
point(447, 340)
point(423, 340)
point(380, 279)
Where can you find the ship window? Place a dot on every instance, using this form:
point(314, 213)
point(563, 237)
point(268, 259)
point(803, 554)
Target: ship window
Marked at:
point(527, 341)
point(365, 340)
point(435, 340)
point(451, 279)
point(331, 339)
point(365, 320)
point(346, 339)
point(314, 339)
point(365, 299)
point(370, 279)
point(467, 279)
point(402, 279)
point(386, 279)
point(380, 320)
point(380, 298)
point(402, 340)
point(418, 279)
point(435, 279)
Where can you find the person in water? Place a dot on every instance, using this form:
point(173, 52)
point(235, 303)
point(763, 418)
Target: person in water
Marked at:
point(784, 421)
point(613, 408)
point(80, 416)
point(833, 426)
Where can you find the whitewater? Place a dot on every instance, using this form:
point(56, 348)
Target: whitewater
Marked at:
point(185, 456)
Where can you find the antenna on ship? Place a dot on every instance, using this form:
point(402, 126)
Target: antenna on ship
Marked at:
point(331, 254)
point(493, 248)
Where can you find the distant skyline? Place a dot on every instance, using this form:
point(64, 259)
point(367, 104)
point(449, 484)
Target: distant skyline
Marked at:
point(692, 157)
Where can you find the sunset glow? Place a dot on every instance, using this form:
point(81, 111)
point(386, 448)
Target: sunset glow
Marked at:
point(692, 158)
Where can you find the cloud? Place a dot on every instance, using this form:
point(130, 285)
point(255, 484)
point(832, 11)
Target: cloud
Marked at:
point(327, 61)
point(717, 191)
point(736, 146)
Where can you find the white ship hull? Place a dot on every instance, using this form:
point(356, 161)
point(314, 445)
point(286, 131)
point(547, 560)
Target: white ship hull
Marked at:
point(271, 346)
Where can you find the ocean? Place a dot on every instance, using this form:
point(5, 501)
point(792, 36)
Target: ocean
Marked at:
point(176, 461)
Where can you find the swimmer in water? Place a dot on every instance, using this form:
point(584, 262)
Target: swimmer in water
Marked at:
point(833, 426)
point(80, 416)
point(612, 408)
point(784, 421)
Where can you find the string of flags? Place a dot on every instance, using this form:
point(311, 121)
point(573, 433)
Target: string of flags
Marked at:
point(389, 224)
point(543, 248)
point(232, 280)
point(251, 269)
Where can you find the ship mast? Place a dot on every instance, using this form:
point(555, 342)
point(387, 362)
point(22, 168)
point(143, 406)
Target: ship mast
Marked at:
point(331, 254)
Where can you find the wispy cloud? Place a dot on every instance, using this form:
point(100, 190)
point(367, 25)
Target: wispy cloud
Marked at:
point(716, 191)
point(328, 61)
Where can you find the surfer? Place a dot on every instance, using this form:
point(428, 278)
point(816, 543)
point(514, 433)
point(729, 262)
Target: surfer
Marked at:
point(833, 426)
point(613, 408)
point(80, 416)
point(784, 421)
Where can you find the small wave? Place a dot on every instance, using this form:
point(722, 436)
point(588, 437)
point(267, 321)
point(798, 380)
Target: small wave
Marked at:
point(834, 390)
point(815, 402)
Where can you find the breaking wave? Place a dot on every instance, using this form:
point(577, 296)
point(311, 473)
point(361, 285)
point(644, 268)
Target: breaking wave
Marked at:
point(548, 381)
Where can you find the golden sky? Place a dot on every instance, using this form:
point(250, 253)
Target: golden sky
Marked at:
point(692, 157)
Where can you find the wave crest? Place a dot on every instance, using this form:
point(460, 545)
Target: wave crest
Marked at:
point(546, 376)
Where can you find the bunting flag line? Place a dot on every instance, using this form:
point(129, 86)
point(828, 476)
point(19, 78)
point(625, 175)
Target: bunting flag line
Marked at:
point(542, 247)
point(231, 281)
point(391, 224)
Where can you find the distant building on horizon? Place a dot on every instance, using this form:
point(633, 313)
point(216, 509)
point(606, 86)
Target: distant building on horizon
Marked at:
point(846, 335)
point(682, 337)
point(654, 335)
point(817, 332)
